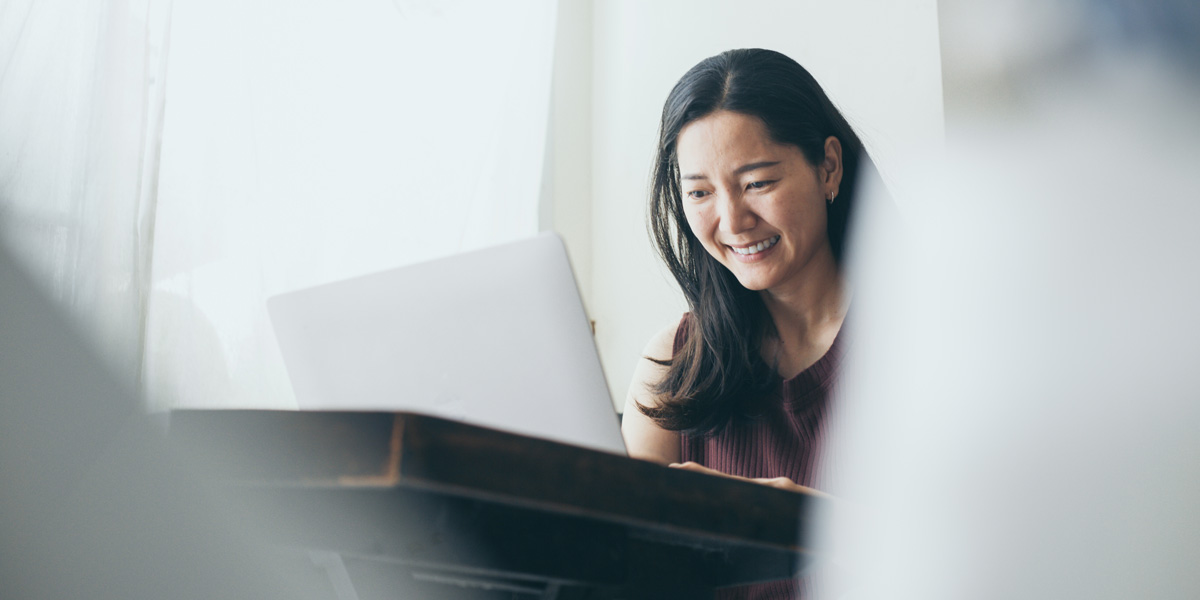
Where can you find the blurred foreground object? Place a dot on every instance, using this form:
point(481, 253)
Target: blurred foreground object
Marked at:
point(92, 503)
point(1024, 418)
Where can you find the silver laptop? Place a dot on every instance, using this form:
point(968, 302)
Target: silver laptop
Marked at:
point(496, 337)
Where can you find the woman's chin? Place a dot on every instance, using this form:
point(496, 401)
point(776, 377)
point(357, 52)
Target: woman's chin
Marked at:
point(754, 284)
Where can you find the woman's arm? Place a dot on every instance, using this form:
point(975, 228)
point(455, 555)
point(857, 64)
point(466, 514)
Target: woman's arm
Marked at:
point(643, 437)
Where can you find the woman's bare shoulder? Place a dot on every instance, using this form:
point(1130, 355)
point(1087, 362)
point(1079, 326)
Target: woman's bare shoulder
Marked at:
point(662, 345)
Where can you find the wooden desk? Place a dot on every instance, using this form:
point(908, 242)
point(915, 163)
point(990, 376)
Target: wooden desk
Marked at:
point(421, 507)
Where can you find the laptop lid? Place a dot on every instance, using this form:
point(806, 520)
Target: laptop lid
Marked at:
point(496, 337)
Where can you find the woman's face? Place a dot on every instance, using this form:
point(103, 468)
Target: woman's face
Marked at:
point(757, 206)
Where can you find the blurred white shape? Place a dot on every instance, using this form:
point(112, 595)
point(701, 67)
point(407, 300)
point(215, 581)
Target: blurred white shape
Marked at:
point(93, 501)
point(1022, 418)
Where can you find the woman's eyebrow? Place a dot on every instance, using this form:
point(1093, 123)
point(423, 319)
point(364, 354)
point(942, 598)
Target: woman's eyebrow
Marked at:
point(753, 166)
point(738, 171)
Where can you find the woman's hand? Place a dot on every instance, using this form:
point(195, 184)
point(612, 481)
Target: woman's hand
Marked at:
point(782, 483)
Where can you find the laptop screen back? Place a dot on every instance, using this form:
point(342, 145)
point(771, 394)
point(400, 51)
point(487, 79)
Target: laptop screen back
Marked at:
point(496, 337)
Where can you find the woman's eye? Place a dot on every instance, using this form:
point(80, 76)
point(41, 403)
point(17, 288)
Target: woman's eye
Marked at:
point(758, 185)
point(697, 194)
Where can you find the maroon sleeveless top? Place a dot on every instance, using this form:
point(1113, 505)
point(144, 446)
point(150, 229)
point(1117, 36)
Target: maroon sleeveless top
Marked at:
point(784, 442)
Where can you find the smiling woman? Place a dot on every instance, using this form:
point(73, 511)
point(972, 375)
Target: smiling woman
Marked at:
point(752, 193)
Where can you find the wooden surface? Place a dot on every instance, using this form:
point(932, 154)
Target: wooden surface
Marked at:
point(468, 502)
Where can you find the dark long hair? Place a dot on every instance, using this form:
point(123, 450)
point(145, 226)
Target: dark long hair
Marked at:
point(718, 373)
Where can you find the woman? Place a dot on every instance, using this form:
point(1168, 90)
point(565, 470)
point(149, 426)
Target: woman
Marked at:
point(752, 192)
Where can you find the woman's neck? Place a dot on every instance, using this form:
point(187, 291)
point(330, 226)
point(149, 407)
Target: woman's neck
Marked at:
point(807, 317)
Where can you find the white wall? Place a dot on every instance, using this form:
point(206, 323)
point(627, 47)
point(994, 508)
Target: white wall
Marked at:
point(877, 59)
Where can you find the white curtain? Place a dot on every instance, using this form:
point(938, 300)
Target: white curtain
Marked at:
point(80, 97)
point(184, 162)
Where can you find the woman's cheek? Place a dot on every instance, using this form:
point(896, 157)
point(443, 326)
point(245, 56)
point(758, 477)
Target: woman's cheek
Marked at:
point(695, 221)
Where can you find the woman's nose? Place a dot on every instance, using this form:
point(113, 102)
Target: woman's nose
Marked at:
point(735, 215)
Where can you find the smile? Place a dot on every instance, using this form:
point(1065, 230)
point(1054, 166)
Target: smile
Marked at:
point(756, 248)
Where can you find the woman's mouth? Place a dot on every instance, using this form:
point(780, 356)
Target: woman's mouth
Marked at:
point(753, 249)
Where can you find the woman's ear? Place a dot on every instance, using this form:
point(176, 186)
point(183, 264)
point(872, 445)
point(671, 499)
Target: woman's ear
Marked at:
point(831, 167)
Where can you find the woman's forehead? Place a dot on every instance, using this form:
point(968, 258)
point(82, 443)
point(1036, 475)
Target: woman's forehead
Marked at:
point(726, 140)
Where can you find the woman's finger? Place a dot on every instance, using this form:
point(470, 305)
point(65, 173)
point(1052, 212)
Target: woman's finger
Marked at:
point(697, 467)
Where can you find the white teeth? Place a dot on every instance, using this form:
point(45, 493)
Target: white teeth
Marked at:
point(759, 247)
